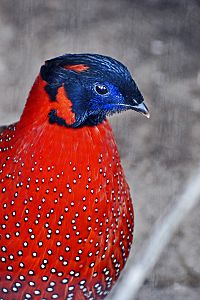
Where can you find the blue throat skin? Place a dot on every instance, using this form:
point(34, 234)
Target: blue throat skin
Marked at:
point(102, 87)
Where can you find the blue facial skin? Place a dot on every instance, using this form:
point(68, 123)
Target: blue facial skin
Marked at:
point(105, 88)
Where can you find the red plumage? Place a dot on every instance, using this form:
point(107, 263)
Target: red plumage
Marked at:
point(66, 212)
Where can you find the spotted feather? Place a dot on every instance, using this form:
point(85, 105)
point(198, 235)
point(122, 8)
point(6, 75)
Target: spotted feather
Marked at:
point(67, 215)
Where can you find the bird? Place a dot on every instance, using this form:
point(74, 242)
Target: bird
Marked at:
point(67, 217)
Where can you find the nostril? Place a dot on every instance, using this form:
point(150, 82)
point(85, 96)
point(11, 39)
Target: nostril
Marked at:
point(134, 101)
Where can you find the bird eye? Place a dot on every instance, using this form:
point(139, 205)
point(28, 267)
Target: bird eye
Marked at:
point(101, 89)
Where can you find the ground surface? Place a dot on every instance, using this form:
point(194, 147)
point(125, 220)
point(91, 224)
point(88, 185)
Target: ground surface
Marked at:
point(159, 42)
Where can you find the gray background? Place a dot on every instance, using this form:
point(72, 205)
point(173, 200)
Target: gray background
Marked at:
point(159, 42)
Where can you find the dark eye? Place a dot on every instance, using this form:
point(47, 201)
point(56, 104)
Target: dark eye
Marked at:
point(101, 89)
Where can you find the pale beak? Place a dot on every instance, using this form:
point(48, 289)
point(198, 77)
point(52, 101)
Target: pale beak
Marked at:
point(142, 109)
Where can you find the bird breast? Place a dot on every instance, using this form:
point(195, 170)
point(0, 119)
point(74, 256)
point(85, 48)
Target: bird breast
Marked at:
point(67, 216)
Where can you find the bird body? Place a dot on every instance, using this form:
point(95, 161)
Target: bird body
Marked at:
point(67, 215)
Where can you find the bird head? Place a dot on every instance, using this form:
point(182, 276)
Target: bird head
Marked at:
point(93, 86)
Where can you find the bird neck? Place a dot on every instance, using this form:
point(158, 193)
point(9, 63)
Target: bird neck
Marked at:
point(39, 106)
point(35, 130)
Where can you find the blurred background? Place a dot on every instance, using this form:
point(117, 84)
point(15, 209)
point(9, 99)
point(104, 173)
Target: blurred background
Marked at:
point(159, 42)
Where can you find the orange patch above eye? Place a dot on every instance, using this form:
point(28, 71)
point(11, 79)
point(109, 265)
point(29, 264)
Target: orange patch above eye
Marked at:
point(77, 68)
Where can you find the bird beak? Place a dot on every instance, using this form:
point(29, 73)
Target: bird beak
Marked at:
point(142, 109)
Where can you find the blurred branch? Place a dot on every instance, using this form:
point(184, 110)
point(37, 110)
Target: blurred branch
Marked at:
point(161, 235)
